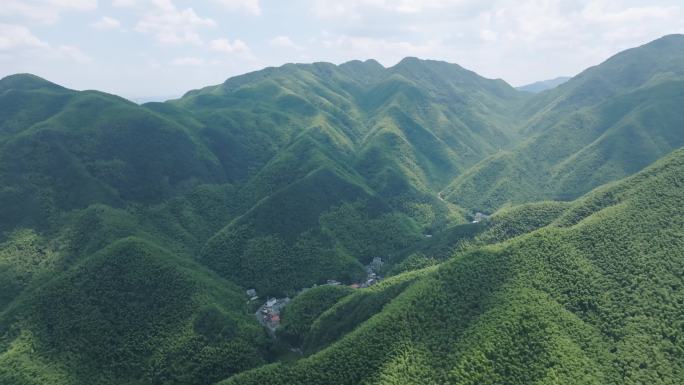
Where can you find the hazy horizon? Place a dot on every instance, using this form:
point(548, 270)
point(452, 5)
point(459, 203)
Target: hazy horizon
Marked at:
point(163, 48)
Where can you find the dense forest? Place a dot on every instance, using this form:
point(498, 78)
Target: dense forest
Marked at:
point(514, 237)
point(591, 297)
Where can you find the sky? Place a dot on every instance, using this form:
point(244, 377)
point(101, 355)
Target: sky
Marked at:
point(157, 49)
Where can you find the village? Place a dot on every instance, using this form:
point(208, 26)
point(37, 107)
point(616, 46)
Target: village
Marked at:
point(269, 313)
point(479, 217)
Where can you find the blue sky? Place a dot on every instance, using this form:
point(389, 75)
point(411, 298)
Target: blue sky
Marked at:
point(162, 48)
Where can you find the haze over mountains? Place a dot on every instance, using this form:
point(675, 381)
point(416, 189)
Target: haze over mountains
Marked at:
point(544, 85)
point(130, 232)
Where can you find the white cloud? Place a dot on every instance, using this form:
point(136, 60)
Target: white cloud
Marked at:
point(386, 50)
point(125, 3)
point(415, 6)
point(534, 38)
point(226, 46)
point(170, 25)
point(72, 53)
point(14, 37)
point(519, 40)
point(488, 35)
point(106, 22)
point(188, 61)
point(285, 42)
point(17, 40)
point(81, 5)
point(250, 6)
point(603, 13)
point(43, 11)
point(359, 8)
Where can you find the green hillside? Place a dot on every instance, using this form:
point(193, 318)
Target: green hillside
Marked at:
point(299, 316)
point(131, 313)
point(593, 297)
point(130, 234)
point(300, 143)
point(89, 147)
point(356, 145)
point(606, 123)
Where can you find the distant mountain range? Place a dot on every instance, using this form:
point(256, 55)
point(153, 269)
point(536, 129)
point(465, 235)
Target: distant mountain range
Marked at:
point(543, 85)
point(129, 233)
point(150, 99)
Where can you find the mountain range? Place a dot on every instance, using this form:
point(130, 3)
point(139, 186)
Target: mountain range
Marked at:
point(130, 233)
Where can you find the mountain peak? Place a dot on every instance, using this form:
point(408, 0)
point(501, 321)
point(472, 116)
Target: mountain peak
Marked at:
point(26, 81)
point(371, 64)
point(675, 38)
point(415, 63)
point(409, 60)
point(412, 62)
point(670, 45)
point(363, 71)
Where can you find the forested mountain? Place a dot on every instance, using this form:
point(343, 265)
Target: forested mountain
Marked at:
point(130, 233)
point(121, 219)
point(306, 150)
point(355, 163)
point(606, 123)
point(592, 296)
point(62, 150)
